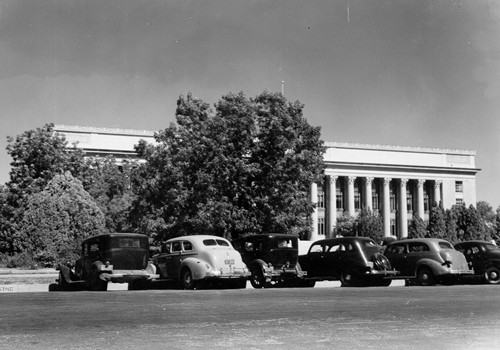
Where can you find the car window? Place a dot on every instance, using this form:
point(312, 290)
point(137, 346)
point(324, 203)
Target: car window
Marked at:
point(187, 246)
point(222, 242)
point(176, 247)
point(418, 247)
point(336, 248)
point(212, 242)
point(445, 245)
point(395, 249)
point(316, 248)
point(490, 247)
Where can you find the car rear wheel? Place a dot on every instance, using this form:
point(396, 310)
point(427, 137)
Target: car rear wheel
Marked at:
point(348, 279)
point(492, 275)
point(187, 280)
point(425, 277)
point(257, 278)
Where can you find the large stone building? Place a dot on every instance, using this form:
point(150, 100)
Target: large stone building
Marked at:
point(394, 181)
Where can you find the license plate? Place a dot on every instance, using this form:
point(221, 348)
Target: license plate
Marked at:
point(229, 261)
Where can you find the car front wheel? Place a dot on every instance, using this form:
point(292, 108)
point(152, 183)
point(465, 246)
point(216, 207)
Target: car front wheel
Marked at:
point(492, 275)
point(425, 277)
point(187, 280)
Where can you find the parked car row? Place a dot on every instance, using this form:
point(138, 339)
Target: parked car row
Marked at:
point(272, 260)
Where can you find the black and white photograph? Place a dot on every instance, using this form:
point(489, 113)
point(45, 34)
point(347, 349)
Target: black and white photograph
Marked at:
point(250, 174)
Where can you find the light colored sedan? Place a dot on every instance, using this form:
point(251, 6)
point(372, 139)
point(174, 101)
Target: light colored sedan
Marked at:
point(427, 261)
point(201, 261)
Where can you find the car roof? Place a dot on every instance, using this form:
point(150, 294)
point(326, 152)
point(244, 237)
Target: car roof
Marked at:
point(419, 240)
point(115, 234)
point(196, 238)
point(343, 239)
point(474, 241)
point(270, 235)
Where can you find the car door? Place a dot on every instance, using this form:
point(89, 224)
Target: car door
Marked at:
point(334, 259)
point(173, 260)
point(475, 255)
point(396, 253)
point(315, 264)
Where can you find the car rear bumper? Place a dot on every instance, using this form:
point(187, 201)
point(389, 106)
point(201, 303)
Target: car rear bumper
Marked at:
point(228, 273)
point(123, 276)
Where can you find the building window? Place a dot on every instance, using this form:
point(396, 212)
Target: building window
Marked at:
point(459, 187)
point(375, 205)
point(321, 199)
point(409, 201)
point(426, 202)
point(340, 200)
point(321, 226)
point(357, 197)
point(459, 201)
point(393, 227)
point(392, 198)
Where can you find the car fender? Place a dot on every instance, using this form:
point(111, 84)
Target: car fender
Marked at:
point(198, 267)
point(436, 267)
point(493, 262)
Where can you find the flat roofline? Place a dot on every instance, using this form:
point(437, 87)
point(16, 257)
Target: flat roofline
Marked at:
point(102, 130)
point(399, 148)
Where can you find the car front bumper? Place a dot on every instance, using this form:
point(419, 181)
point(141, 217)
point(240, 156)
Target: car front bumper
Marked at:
point(124, 276)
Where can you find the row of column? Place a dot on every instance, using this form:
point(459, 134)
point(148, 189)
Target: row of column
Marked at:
point(331, 203)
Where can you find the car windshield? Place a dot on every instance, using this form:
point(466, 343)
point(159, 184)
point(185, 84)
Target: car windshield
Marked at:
point(129, 242)
point(445, 245)
point(490, 247)
point(212, 242)
point(369, 247)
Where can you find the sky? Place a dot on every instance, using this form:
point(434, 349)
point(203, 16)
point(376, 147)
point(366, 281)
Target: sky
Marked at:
point(392, 72)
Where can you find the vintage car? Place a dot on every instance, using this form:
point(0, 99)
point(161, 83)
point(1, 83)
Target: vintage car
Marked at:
point(201, 261)
point(427, 261)
point(272, 259)
point(484, 258)
point(111, 257)
point(355, 261)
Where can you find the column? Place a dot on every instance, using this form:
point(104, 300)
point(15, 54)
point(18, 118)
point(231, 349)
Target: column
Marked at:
point(387, 208)
point(420, 199)
point(350, 195)
point(314, 215)
point(332, 206)
point(437, 191)
point(368, 193)
point(403, 210)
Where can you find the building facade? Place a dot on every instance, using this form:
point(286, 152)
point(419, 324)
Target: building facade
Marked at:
point(394, 182)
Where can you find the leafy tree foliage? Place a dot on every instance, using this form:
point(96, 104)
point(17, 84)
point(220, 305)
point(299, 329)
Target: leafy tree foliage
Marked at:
point(38, 155)
point(57, 219)
point(367, 224)
point(417, 227)
point(244, 167)
point(437, 223)
point(345, 225)
point(469, 223)
point(110, 186)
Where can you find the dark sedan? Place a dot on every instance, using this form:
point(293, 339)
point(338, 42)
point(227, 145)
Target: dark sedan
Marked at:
point(355, 261)
point(484, 258)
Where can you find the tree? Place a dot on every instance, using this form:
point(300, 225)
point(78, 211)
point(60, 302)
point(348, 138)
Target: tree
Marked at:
point(488, 217)
point(367, 224)
point(37, 155)
point(417, 227)
point(110, 186)
point(345, 224)
point(241, 168)
point(57, 219)
point(437, 224)
point(469, 223)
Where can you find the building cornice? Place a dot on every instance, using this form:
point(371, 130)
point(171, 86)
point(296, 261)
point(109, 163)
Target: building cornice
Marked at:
point(102, 130)
point(398, 148)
